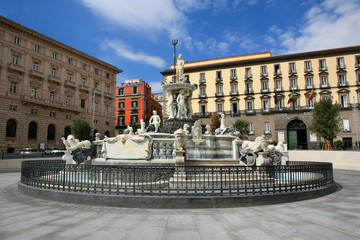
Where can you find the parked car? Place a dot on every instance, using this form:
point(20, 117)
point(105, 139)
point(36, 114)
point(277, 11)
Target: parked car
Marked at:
point(53, 151)
point(30, 151)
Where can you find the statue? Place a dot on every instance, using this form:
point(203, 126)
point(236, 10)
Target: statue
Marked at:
point(222, 121)
point(259, 145)
point(189, 107)
point(208, 130)
point(180, 139)
point(155, 121)
point(142, 127)
point(97, 136)
point(186, 127)
point(179, 68)
point(131, 130)
point(71, 143)
point(169, 105)
point(182, 109)
point(197, 129)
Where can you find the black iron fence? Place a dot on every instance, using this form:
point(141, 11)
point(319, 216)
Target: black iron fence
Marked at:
point(185, 181)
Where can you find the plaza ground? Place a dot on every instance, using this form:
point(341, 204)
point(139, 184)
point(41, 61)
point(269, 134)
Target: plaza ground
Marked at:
point(335, 216)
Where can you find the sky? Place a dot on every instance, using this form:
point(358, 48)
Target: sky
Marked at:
point(136, 35)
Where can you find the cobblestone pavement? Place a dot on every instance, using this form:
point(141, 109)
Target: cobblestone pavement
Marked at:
point(336, 216)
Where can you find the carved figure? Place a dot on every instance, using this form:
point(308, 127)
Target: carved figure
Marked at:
point(180, 139)
point(131, 130)
point(155, 121)
point(169, 105)
point(208, 130)
point(186, 127)
point(197, 129)
point(179, 68)
point(222, 122)
point(260, 144)
point(280, 147)
point(71, 143)
point(97, 136)
point(142, 127)
point(182, 110)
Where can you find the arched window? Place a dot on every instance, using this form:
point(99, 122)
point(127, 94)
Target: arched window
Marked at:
point(32, 130)
point(51, 132)
point(107, 133)
point(67, 131)
point(11, 128)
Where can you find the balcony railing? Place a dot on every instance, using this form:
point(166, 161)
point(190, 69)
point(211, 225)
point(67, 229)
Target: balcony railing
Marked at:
point(323, 68)
point(278, 89)
point(35, 73)
point(203, 115)
point(265, 90)
point(339, 67)
point(343, 84)
point(249, 91)
point(233, 78)
point(202, 80)
point(16, 67)
point(250, 112)
point(219, 94)
point(202, 96)
point(234, 93)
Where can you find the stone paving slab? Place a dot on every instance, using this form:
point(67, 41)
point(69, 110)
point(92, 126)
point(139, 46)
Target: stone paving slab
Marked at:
point(336, 216)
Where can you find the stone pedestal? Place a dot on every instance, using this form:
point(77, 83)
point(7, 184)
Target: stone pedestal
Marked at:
point(173, 124)
point(179, 158)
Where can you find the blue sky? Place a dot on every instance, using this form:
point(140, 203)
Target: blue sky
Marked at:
point(135, 35)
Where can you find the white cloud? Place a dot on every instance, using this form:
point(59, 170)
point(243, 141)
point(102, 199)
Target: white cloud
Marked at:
point(123, 50)
point(156, 87)
point(331, 24)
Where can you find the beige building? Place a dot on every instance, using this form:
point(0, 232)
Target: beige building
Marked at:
point(45, 84)
point(257, 88)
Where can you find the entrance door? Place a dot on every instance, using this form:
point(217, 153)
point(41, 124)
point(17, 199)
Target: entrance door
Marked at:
point(297, 135)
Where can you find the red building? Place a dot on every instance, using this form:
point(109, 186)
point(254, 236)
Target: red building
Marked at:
point(133, 102)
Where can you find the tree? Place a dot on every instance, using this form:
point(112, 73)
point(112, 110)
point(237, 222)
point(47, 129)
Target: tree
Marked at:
point(243, 127)
point(81, 129)
point(325, 119)
point(214, 122)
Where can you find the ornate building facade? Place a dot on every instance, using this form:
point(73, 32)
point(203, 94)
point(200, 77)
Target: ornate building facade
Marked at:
point(257, 88)
point(45, 84)
point(134, 101)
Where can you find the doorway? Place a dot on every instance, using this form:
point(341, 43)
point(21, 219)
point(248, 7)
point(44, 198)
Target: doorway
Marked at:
point(297, 135)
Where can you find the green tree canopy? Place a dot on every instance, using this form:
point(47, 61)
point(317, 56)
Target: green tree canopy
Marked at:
point(243, 127)
point(81, 129)
point(325, 119)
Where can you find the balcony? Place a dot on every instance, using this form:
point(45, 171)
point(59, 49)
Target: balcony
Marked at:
point(219, 94)
point(341, 67)
point(277, 73)
point(308, 70)
point(250, 112)
point(233, 78)
point(16, 68)
point(234, 93)
point(346, 106)
point(84, 88)
point(323, 69)
point(292, 72)
point(35, 73)
point(202, 96)
point(293, 88)
point(249, 91)
point(218, 79)
point(248, 76)
point(278, 89)
point(69, 84)
point(357, 65)
point(266, 111)
point(55, 79)
point(265, 90)
point(203, 115)
point(309, 86)
point(233, 113)
point(343, 84)
point(202, 80)
point(327, 85)
point(264, 75)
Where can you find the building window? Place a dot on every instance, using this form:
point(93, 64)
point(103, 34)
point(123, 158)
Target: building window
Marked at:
point(96, 71)
point(344, 101)
point(52, 114)
point(95, 121)
point(107, 109)
point(219, 91)
point(134, 90)
point(324, 81)
point(311, 103)
point(68, 117)
point(202, 91)
point(358, 78)
point(219, 108)
point(249, 106)
point(69, 77)
point(202, 77)
point(218, 76)
point(36, 66)
point(134, 119)
point(263, 70)
point(277, 69)
point(308, 67)
point(107, 75)
point(249, 88)
point(121, 91)
point(52, 96)
point(279, 104)
point(248, 73)
point(203, 109)
point(96, 85)
point(13, 108)
point(234, 88)
point(32, 130)
point(51, 132)
point(17, 40)
point(34, 111)
point(15, 59)
point(107, 124)
point(265, 86)
point(107, 89)
point(121, 121)
point(82, 103)
point(70, 61)
point(53, 72)
point(267, 127)
point(121, 105)
point(342, 80)
point(322, 64)
point(37, 48)
point(234, 107)
point(95, 107)
point(55, 55)
point(340, 63)
point(278, 86)
point(251, 128)
point(13, 87)
point(11, 128)
point(325, 98)
point(309, 82)
point(134, 104)
point(84, 66)
point(293, 84)
point(233, 74)
point(34, 92)
point(266, 105)
point(346, 125)
point(68, 100)
point(292, 68)
point(83, 81)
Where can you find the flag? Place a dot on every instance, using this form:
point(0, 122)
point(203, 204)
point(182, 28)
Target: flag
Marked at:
point(291, 97)
point(311, 96)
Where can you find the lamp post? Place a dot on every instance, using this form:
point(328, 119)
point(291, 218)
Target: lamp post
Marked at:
point(174, 42)
point(356, 119)
point(141, 102)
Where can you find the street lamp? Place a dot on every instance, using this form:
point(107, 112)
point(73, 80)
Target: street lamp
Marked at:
point(174, 42)
point(356, 119)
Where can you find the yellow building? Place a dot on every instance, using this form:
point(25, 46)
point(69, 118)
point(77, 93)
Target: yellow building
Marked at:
point(257, 88)
point(45, 84)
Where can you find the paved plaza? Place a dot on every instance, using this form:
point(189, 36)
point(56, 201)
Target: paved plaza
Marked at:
point(336, 216)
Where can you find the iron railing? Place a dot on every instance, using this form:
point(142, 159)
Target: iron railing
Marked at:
point(181, 181)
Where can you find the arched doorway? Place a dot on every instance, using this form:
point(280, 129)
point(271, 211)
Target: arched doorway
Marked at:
point(296, 135)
